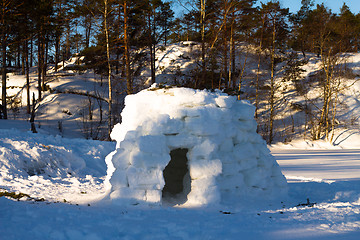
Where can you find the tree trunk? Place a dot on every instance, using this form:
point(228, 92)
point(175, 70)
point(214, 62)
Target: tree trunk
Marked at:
point(109, 65)
point(233, 61)
point(151, 43)
point(39, 69)
point(18, 64)
point(32, 117)
point(272, 86)
point(67, 49)
point(323, 121)
point(4, 43)
point(165, 33)
point(118, 34)
point(242, 74)
point(57, 51)
point(202, 21)
point(31, 51)
point(44, 63)
point(57, 39)
point(230, 76)
point(127, 53)
point(27, 77)
point(23, 60)
point(154, 47)
point(258, 69)
point(225, 44)
point(334, 110)
point(88, 33)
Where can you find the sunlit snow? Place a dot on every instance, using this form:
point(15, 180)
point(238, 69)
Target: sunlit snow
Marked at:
point(64, 175)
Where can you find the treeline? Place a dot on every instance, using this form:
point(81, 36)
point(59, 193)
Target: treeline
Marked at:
point(109, 34)
point(43, 32)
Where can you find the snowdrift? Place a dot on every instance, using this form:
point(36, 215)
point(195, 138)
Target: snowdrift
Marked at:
point(24, 154)
point(209, 137)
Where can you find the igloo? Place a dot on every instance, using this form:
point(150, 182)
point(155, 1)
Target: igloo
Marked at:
point(189, 147)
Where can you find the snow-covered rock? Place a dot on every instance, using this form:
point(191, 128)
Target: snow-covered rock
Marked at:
point(210, 133)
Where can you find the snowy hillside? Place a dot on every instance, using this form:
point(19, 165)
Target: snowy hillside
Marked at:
point(75, 104)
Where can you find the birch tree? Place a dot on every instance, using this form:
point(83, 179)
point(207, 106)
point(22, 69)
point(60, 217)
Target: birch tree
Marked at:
point(106, 13)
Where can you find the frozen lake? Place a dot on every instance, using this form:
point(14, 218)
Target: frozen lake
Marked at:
point(317, 165)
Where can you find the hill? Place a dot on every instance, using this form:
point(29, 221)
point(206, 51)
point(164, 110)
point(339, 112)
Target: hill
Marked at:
point(75, 103)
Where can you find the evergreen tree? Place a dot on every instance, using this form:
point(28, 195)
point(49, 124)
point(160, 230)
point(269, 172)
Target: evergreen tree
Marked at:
point(43, 19)
point(165, 20)
point(8, 12)
point(345, 27)
point(299, 34)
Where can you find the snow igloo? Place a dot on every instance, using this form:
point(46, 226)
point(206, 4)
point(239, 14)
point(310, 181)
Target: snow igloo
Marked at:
point(181, 146)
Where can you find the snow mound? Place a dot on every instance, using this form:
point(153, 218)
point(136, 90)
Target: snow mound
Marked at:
point(213, 133)
point(24, 154)
point(51, 167)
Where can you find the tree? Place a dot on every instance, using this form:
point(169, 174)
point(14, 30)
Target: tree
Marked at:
point(276, 28)
point(242, 23)
point(8, 10)
point(84, 10)
point(259, 34)
point(25, 33)
point(165, 20)
point(106, 13)
point(152, 6)
point(345, 27)
point(299, 33)
point(43, 20)
point(202, 24)
point(63, 11)
point(129, 87)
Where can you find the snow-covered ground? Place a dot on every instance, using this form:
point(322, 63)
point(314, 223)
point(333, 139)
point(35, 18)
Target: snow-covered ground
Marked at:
point(329, 178)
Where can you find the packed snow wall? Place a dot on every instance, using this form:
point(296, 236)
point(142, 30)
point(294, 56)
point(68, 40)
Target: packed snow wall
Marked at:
point(213, 133)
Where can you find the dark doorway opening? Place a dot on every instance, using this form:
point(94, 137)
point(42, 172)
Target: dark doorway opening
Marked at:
point(177, 178)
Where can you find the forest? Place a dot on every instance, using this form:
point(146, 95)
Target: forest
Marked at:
point(244, 47)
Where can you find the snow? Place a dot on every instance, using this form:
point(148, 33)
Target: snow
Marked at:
point(325, 173)
point(336, 214)
point(312, 173)
point(53, 168)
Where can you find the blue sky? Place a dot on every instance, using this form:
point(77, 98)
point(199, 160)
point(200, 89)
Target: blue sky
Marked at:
point(294, 5)
point(334, 5)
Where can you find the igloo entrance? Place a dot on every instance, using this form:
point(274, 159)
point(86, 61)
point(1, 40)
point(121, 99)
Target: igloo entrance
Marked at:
point(177, 178)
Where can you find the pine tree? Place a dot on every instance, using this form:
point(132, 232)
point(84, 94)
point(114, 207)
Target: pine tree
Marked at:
point(165, 19)
point(43, 20)
point(8, 12)
point(299, 33)
point(345, 27)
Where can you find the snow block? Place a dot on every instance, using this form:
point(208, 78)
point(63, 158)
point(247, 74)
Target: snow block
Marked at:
point(202, 168)
point(145, 178)
point(225, 101)
point(153, 196)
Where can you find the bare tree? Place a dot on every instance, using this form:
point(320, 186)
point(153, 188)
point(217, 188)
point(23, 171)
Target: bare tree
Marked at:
point(127, 50)
point(6, 8)
point(106, 13)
